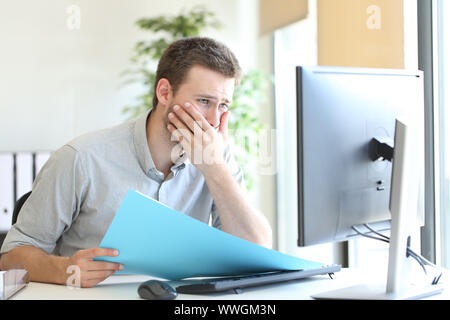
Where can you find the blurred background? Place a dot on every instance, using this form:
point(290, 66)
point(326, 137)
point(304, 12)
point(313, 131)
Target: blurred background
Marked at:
point(65, 70)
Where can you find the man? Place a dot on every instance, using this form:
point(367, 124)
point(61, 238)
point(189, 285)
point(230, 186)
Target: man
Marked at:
point(177, 154)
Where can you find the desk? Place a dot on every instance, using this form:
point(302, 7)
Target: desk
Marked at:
point(124, 287)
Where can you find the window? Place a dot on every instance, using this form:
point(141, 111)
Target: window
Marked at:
point(293, 45)
point(311, 42)
point(442, 89)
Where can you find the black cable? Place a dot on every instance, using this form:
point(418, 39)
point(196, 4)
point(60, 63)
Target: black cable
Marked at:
point(436, 279)
point(387, 240)
point(421, 260)
point(376, 232)
point(368, 236)
point(416, 256)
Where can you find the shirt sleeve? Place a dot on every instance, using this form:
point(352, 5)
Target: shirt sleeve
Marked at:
point(238, 175)
point(53, 204)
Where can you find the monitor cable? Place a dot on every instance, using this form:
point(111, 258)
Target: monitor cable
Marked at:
point(409, 252)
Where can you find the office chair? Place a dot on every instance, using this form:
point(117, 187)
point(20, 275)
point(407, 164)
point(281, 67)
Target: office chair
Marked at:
point(18, 206)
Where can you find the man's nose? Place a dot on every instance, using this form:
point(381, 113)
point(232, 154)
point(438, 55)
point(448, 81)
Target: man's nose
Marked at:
point(213, 116)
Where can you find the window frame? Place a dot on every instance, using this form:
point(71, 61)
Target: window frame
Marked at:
point(435, 243)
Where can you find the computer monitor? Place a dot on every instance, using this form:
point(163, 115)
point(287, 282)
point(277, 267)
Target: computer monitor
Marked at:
point(339, 113)
point(361, 161)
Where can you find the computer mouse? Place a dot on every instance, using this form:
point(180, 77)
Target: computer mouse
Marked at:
point(156, 290)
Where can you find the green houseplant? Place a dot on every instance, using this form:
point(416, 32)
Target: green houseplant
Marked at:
point(248, 95)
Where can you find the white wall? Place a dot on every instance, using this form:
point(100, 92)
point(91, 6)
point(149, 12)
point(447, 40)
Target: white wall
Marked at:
point(57, 83)
point(294, 45)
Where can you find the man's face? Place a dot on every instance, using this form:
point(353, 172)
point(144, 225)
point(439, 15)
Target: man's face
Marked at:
point(209, 91)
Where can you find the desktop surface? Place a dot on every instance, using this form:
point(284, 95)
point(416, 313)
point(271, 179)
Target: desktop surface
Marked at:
point(124, 287)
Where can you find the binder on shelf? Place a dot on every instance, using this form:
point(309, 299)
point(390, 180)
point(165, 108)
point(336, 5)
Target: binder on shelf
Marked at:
point(40, 160)
point(17, 174)
point(24, 173)
point(6, 191)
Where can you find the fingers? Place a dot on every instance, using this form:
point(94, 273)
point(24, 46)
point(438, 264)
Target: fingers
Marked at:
point(203, 144)
point(98, 275)
point(91, 283)
point(190, 124)
point(94, 272)
point(180, 128)
point(92, 278)
point(98, 252)
point(89, 265)
point(180, 135)
point(191, 117)
point(103, 265)
point(86, 271)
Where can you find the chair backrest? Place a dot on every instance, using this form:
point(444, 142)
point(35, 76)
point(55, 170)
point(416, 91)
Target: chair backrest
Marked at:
point(18, 206)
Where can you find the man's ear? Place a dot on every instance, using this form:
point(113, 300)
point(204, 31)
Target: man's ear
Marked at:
point(163, 91)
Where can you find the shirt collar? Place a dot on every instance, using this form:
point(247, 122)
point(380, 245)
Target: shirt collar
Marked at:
point(141, 144)
point(143, 151)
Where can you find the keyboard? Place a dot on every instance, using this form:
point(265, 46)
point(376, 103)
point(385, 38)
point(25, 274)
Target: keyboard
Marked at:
point(238, 283)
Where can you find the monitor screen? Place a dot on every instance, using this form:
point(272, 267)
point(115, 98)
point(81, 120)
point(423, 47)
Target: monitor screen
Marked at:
point(339, 112)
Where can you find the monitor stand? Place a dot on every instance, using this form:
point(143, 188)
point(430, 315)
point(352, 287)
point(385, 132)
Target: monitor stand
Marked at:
point(379, 292)
point(403, 205)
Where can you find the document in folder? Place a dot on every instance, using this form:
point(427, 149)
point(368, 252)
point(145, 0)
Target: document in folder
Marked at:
point(156, 240)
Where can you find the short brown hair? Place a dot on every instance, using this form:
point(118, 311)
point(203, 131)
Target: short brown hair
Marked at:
point(182, 55)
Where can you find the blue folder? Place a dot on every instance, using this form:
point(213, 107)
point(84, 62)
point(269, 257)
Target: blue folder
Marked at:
point(155, 240)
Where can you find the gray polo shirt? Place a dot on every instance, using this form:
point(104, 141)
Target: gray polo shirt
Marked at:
point(78, 191)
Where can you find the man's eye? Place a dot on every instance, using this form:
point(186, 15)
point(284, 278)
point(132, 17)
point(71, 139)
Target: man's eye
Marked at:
point(223, 107)
point(203, 101)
